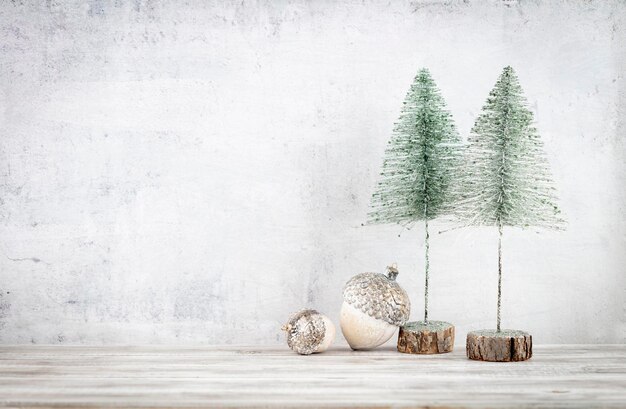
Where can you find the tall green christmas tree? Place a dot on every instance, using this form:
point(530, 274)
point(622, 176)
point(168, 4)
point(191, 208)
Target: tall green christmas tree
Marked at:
point(421, 159)
point(507, 180)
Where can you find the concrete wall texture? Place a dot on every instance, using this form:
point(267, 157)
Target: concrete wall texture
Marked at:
point(194, 172)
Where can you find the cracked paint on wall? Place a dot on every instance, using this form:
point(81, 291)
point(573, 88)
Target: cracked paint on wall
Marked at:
point(195, 172)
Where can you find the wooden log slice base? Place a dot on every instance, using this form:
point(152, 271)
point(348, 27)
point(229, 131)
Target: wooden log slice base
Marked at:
point(432, 337)
point(505, 346)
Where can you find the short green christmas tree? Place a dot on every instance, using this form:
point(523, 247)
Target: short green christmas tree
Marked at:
point(507, 181)
point(421, 160)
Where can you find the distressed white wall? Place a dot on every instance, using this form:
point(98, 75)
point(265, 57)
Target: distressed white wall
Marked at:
point(193, 172)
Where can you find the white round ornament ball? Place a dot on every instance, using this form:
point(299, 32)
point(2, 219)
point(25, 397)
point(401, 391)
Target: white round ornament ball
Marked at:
point(374, 306)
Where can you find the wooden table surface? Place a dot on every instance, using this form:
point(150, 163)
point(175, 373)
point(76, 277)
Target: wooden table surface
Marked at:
point(156, 376)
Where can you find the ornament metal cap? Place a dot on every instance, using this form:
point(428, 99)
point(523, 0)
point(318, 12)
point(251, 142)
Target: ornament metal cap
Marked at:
point(379, 296)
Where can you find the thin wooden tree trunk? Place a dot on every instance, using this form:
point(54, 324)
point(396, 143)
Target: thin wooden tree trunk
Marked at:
point(499, 273)
point(426, 267)
point(499, 346)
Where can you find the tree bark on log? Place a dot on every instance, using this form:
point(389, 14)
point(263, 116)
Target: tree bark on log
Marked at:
point(432, 337)
point(502, 346)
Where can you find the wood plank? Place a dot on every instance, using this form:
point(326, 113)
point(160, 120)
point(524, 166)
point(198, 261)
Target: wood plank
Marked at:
point(560, 376)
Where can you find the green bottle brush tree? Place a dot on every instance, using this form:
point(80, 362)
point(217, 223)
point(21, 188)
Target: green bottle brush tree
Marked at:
point(506, 183)
point(421, 162)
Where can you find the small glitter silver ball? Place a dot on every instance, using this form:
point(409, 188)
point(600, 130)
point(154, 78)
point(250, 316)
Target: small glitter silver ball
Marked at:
point(309, 332)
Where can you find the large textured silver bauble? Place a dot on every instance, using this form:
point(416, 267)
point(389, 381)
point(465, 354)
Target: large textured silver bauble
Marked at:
point(374, 305)
point(309, 332)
